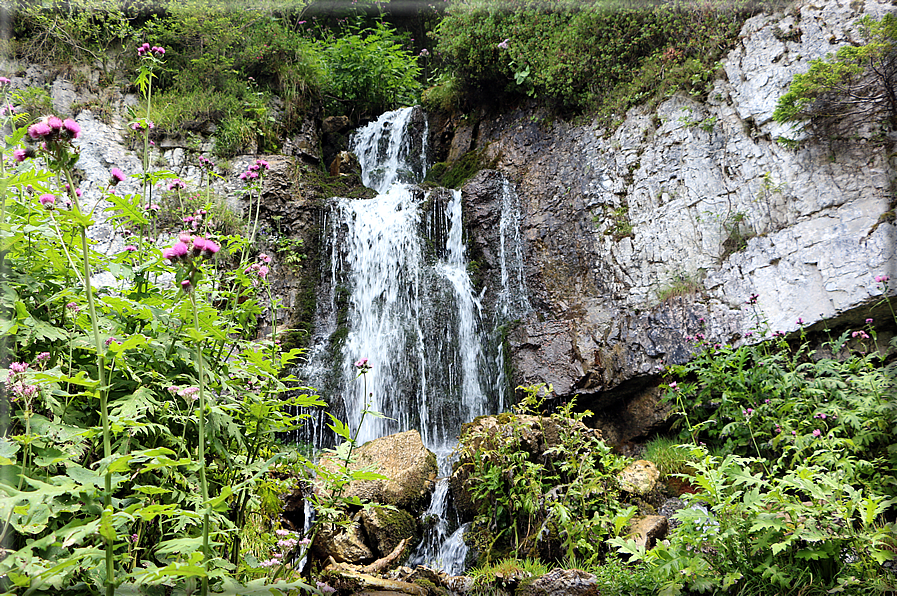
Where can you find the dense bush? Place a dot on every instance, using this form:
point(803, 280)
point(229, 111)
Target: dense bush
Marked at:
point(225, 63)
point(562, 503)
point(799, 497)
point(857, 80)
point(790, 404)
point(599, 54)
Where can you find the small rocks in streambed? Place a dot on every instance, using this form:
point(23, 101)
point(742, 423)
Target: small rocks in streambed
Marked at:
point(349, 581)
point(640, 477)
point(560, 582)
point(423, 575)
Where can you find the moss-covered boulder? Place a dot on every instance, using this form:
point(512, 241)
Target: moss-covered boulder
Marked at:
point(386, 528)
point(534, 435)
point(409, 469)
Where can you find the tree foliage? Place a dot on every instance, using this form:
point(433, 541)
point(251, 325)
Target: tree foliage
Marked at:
point(858, 79)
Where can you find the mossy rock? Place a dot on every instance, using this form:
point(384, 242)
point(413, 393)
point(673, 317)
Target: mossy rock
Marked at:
point(386, 528)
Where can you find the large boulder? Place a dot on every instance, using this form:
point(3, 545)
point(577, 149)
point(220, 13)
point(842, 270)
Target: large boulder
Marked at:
point(386, 528)
point(409, 469)
point(535, 435)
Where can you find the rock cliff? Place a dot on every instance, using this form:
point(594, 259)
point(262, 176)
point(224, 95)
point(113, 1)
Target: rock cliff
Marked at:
point(638, 237)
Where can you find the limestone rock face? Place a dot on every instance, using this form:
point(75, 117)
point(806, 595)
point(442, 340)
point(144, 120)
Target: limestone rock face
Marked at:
point(640, 477)
point(409, 468)
point(698, 199)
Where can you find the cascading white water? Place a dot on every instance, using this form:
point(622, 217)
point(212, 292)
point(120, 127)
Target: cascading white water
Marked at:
point(400, 296)
point(512, 302)
point(411, 309)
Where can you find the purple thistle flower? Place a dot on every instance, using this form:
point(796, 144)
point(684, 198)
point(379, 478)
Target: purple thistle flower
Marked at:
point(186, 285)
point(72, 128)
point(20, 155)
point(176, 252)
point(117, 176)
point(39, 130)
point(55, 123)
point(817, 432)
point(47, 200)
point(4, 81)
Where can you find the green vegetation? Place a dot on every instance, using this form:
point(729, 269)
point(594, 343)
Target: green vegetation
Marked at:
point(801, 438)
point(141, 419)
point(857, 80)
point(682, 285)
point(226, 62)
point(786, 452)
point(597, 55)
point(525, 505)
point(456, 174)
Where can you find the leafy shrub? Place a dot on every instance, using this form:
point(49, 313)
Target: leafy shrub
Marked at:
point(33, 101)
point(525, 503)
point(606, 54)
point(793, 404)
point(71, 31)
point(141, 424)
point(804, 532)
point(855, 80)
point(369, 71)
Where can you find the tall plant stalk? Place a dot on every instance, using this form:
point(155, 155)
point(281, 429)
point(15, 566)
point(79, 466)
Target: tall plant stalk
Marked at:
point(204, 487)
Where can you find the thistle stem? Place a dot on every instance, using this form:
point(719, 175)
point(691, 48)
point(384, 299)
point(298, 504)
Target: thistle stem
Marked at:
point(204, 488)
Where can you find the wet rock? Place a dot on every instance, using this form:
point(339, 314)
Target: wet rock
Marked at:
point(560, 582)
point(386, 528)
point(639, 478)
point(669, 509)
point(408, 466)
point(344, 544)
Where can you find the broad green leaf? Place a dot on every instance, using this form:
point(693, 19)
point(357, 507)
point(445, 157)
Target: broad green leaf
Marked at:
point(106, 528)
point(7, 450)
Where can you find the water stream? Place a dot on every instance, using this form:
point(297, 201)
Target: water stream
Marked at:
point(396, 291)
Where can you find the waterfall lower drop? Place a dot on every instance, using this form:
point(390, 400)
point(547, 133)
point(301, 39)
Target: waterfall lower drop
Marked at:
point(400, 296)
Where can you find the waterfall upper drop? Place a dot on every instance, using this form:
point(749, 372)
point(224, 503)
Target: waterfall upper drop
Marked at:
point(399, 294)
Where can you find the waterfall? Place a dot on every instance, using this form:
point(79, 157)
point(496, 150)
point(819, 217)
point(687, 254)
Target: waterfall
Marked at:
point(396, 291)
point(400, 296)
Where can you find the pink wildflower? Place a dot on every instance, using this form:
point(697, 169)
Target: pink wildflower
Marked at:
point(39, 130)
point(72, 128)
point(117, 176)
point(47, 200)
point(176, 252)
